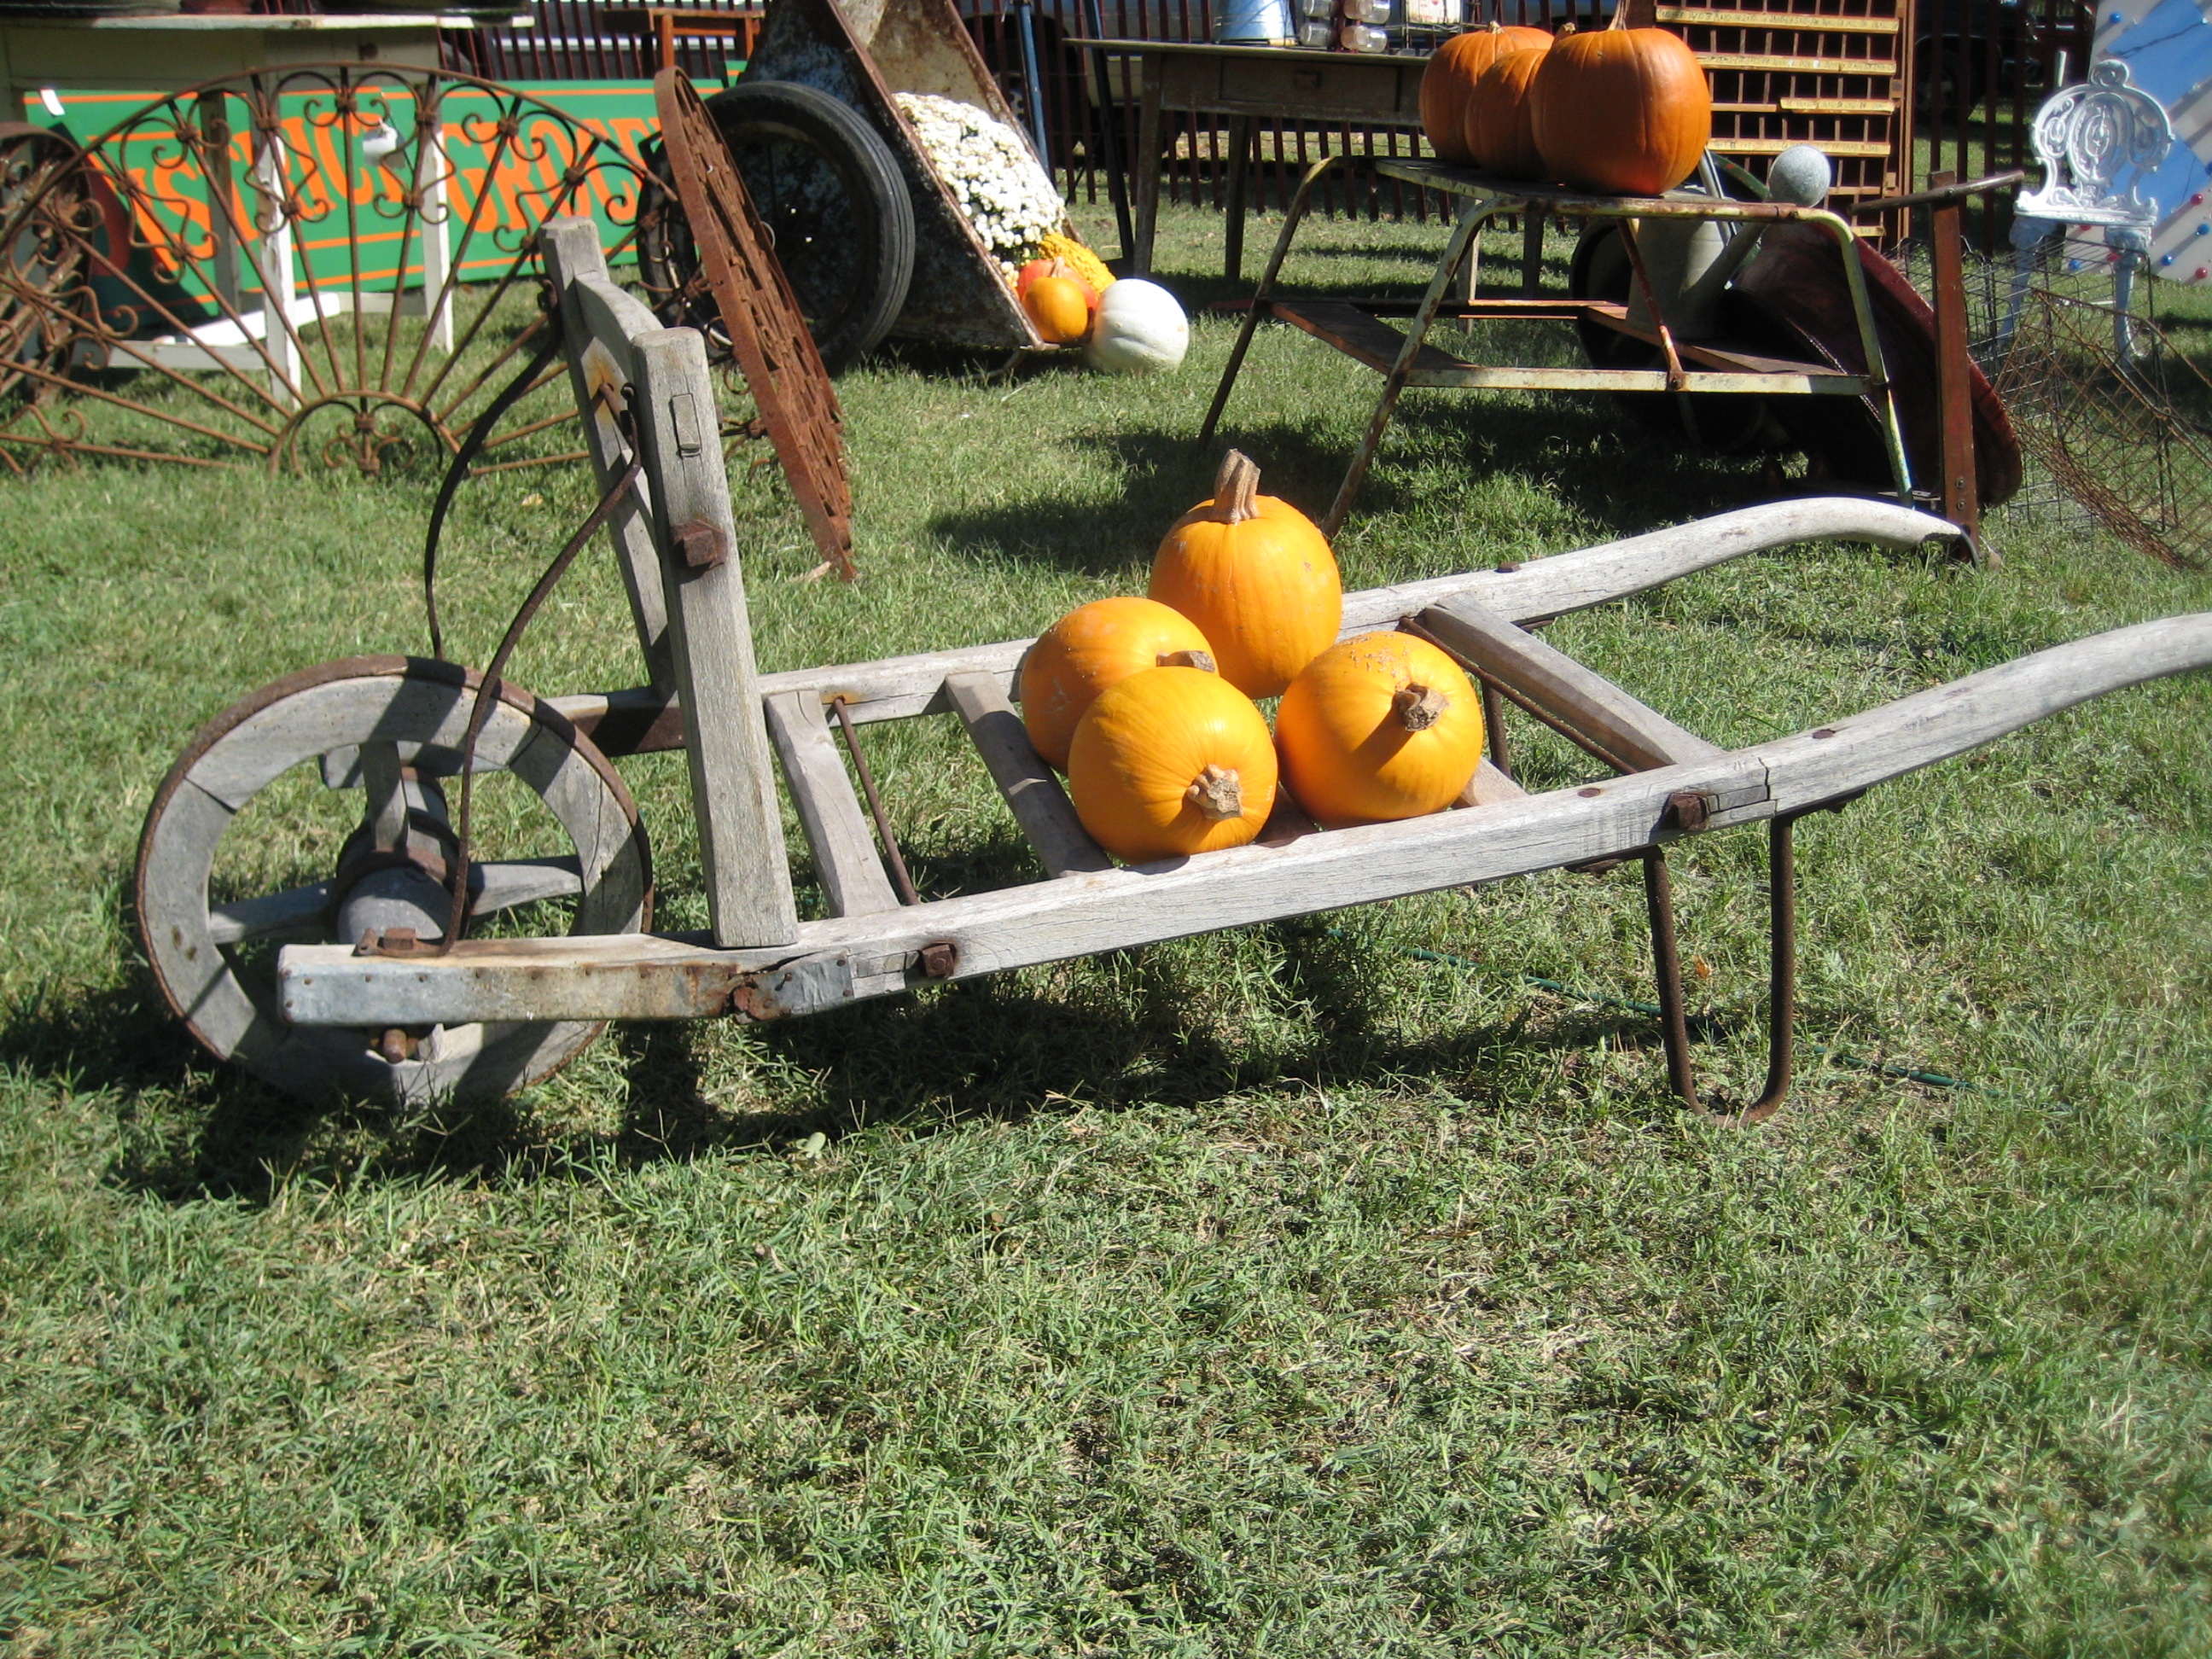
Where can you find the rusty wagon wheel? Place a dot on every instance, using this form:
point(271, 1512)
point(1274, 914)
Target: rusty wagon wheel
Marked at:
point(317, 265)
point(32, 261)
point(388, 728)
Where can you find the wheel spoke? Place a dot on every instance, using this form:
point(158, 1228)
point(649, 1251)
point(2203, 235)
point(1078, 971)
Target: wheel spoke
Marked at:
point(301, 913)
point(295, 914)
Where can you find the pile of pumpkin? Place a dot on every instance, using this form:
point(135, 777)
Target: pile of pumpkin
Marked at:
point(1149, 706)
point(1125, 325)
point(1617, 110)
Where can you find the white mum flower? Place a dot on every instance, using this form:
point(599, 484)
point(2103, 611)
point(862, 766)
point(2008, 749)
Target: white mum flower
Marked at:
point(1001, 189)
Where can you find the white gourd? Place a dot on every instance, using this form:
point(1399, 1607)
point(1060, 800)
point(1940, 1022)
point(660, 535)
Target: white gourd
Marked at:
point(1802, 174)
point(1139, 328)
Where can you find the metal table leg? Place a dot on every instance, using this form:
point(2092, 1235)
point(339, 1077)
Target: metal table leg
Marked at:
point(1479, 211)
point(1262, 294)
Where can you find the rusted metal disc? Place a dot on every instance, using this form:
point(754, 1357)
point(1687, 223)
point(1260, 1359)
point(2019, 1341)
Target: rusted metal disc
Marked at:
point(767, 335)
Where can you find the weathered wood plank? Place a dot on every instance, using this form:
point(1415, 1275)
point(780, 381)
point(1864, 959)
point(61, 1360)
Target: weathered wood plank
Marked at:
point(598, 321)
point(1045, 921)
point(1362, 336)
point(1850, 754)
point(1042, 922)
point(1582, 700)
point(899, 688)
point(1039, 805)
point(844, 847)
point(1489, 786)
point(740, 825)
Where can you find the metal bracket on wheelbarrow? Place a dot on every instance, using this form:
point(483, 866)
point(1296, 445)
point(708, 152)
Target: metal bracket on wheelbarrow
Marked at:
point(862, 55)
point(768, 335)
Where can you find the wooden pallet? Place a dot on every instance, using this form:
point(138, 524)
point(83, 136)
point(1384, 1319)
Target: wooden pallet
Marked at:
point(1810, 71)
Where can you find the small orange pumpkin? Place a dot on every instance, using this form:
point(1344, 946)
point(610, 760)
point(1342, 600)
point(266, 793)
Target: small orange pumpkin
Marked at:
point(1377, 728)
point(1257, 578)
point(1061, 304)
point(1621, 111)
point(1448, 81)
point(1051, 265)
point(1092, 647)
point(1499, 133)
point(1169, 762)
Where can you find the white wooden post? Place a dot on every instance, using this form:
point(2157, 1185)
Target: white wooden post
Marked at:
point(435, 232)
point(274, 261)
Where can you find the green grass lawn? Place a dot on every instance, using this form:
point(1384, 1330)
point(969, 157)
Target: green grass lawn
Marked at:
point(1282, 1291)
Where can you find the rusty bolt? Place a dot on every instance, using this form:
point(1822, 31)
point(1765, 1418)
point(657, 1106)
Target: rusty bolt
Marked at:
point(1688, 809)
point(700, 544)
point(395, 1045)
point(940, 960)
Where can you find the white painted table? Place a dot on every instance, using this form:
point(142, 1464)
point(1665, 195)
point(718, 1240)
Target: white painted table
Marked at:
point(168, 51)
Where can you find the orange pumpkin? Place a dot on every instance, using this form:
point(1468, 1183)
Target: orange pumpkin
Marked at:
point(1061, 305)
point(1380, 726)
point(1257, 578)
point(1171, 761)
point(1498, 130)
point(1051, 265)
point(1092, 647)
point(1621, 111)
point(1448, 81)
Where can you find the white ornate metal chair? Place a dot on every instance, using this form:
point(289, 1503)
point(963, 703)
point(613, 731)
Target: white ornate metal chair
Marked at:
point(2099, 142)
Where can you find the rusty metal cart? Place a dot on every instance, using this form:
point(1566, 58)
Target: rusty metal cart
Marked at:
point(1406, 358)
point(385, 982)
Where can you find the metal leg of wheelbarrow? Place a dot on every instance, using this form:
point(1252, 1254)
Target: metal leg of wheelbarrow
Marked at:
point(1782, 980)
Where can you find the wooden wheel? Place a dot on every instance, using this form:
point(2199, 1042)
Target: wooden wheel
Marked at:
point(388, 727)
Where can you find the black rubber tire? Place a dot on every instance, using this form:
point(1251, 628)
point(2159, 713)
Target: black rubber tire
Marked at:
point(829, 191)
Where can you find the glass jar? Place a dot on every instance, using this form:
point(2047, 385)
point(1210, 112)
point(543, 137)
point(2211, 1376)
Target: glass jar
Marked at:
point(1318, 35)
point(1361, 37)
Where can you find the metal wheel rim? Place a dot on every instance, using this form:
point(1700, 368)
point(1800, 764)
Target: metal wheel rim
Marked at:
point(171, 353)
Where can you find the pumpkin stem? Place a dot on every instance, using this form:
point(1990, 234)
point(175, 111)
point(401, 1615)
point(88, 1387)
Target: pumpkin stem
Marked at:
point(1419, 706)
point(1216, 794)
point(1201, 660)
point(1236, 489)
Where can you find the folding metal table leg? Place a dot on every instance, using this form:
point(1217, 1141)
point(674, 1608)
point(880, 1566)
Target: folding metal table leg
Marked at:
point(1478, 213)
point(1258, 309)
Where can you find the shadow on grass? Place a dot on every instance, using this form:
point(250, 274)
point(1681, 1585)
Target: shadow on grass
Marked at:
point(1619, 479)
point(993, 1049)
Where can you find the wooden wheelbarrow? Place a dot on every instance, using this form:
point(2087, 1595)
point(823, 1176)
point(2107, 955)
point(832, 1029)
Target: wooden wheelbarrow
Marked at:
point(386, 984)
